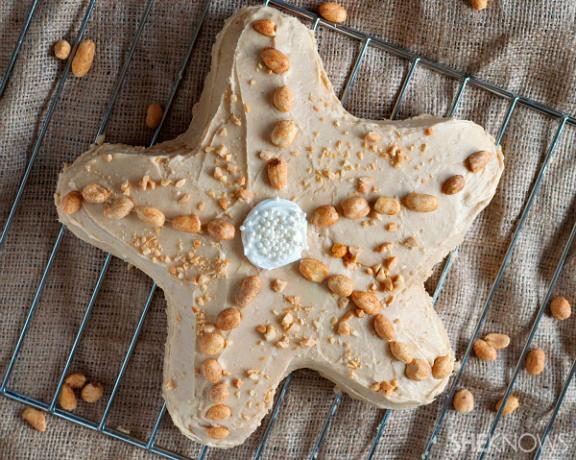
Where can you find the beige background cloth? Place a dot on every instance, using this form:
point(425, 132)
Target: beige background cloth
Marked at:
point(527, 47)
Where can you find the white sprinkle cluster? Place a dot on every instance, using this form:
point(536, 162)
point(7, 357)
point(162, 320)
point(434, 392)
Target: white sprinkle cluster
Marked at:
point(274, 233)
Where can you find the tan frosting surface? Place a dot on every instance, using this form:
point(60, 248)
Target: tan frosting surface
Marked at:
point(220, 162)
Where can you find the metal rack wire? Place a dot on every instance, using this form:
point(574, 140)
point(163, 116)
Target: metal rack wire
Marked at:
point(415, 61)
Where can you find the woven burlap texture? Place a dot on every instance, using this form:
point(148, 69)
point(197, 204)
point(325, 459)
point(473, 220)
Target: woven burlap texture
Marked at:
point(527, 47)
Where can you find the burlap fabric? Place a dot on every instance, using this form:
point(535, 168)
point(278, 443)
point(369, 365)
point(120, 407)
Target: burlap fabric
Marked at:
point(524, 46)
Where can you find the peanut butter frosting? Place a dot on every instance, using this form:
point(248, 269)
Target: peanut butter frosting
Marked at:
point(385, 201)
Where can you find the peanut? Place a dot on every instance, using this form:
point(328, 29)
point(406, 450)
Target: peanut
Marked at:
point(187, 224)
point(151, 216)
point(383, 327)
point(463, 401)
point(453, 185)
point(35, 418)
point(154, 114)
point(343, 328)
point(71, 202)
point(219, 392)
point(420, 202)
point(278, 285)
point(92, 392)
point(249, 289)
point(355, 207)
point(498, 341)
point(283, 133)
point(119, 208)
point(265, 27)
point(325, 216)
point(211, 343)
point(217, 432)
point(333, 12)
point(95, 193)
point(512, 403)
point(283, 98)
point(400, 351)
point(340, 285)
point(84, 57)
point(313, 270)
point(366, 301)
point(61, 50)
point(387, 205)
point(76, 380)
point(277, 170)
point(478, 5)
point(478, 161)
point(219, 412)
point(417, 369)
point(220, 230)
point(442, 367)
point(275, 60)
point(484, 350)
point(535, 361)
point(338, 250)
point(560, 308)
point(211, 370)
point(67, 398)
point(228, 319)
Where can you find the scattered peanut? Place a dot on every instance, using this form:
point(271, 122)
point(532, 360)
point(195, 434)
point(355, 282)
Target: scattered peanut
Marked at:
point(95, 193)
point(420, 202)
point(343, 328)
point(219, 412)
point(333, 12)
point(338, 250)
point(154, 114)
point(119, 208)
point(418, 369)
point(275, 60)
point(463, 401)
point(383, 327)
point(211, 370)
point(498, 341)
point(400, 351)
point(340, 285)
point(265, 27)
point(355, 207)
point(560, 308)
point(84, 57)
point(67, 398)
point(72, 202)
point(217, 432)
point(92, 392)
point(151, 216)
point(283, 133)
point(366, 301)
point(478, 161)
point(313, 270)
point(453, 185)
point(220, 230)
point(512, 403)
point(478, 5)
point(211, 343)
point(249, 289)
point(35, 418)
point(442, 367)
point(61, 50)
point(228, 319)
point(535, 361)
point(283, 99)
point(484, 350)
point(187, 224)
point(325, 216)
point(387, 205)
point(76, 380)
point(278, 285)
point(277, 170)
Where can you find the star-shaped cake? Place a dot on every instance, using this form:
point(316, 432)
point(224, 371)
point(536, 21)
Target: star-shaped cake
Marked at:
point(286, 233)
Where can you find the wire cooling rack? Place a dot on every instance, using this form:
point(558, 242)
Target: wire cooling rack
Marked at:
point(415, 61)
